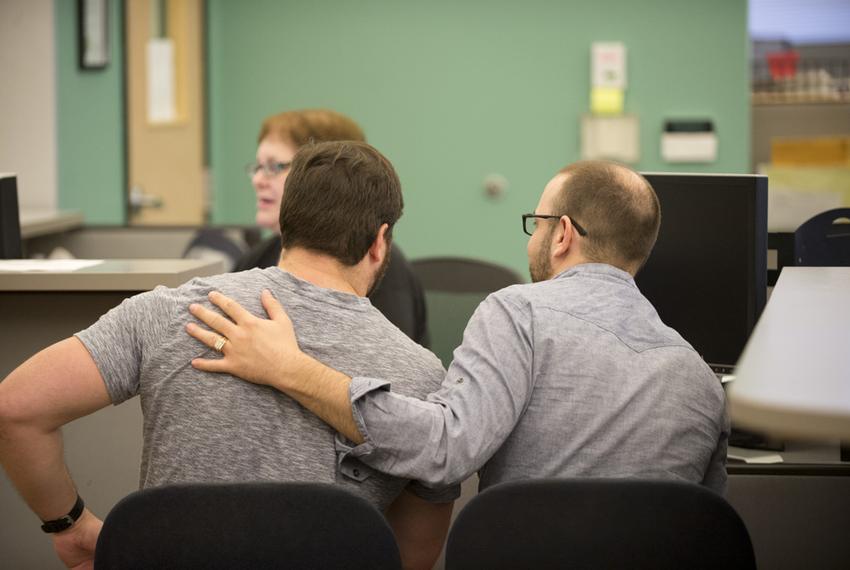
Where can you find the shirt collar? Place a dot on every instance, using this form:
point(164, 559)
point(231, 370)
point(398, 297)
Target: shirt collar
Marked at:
point(599, 269)
point(313, 291)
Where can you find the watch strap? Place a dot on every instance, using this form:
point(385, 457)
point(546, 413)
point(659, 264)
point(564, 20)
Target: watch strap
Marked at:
point(62, 523)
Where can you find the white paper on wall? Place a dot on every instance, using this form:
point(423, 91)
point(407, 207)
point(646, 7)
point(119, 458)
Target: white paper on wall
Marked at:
point(162, 107)
point(608, 65)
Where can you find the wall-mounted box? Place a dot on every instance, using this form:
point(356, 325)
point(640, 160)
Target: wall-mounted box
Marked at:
point(689, 141)
point(610, 138)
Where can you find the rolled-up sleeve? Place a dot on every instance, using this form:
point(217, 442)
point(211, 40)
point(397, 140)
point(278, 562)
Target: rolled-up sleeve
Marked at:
point(445, 438)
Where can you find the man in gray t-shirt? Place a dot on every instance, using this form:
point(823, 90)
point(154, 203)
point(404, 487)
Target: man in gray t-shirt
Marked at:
point(202, 428)
point(340, 204)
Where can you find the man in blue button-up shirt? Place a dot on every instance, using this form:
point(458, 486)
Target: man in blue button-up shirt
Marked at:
point(572, 375)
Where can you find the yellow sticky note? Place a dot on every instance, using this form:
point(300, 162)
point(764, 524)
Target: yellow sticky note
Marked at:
point(606, 101)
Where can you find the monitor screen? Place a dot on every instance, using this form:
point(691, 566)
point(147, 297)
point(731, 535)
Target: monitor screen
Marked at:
point(707, 275)
point(10, 222)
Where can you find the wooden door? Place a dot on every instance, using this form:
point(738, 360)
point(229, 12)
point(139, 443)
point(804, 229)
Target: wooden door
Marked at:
point(165, 108)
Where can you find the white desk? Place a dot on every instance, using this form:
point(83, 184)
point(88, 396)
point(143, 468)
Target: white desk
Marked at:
point(793, 378)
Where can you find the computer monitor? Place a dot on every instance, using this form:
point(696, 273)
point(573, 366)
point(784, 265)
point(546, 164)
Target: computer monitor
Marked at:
point(707, 275)
point(10, 222)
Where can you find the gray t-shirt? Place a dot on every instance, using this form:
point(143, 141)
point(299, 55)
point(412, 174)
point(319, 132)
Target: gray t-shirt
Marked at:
point(203, 427)
point(571, 377)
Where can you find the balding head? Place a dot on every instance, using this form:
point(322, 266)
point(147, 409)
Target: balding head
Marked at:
point(617, 207)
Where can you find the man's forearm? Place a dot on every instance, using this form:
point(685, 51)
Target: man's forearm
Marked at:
point(34, 463)
point(324, 391)
point(33, 460)
point(54, 387)
point(57, 385)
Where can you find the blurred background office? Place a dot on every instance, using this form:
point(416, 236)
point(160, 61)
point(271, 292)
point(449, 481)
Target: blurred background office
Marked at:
point(474, 102)
point(143, 114)
point(456, 94)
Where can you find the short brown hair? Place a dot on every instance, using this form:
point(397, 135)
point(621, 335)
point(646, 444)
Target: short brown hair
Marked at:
point(303, 126)
point(617, 207)
point(336, 197)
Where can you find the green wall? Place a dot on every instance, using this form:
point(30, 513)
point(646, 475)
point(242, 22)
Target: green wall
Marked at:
point(452, 91)
point(449, 91)
point(90, 113)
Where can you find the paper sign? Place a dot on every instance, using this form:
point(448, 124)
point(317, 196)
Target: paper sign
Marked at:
point(162, 106)
point(608, 65)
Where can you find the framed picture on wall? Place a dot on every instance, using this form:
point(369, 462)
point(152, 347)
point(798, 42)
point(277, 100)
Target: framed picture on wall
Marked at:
point(93, 33)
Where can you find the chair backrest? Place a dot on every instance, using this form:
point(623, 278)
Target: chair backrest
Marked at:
point(822, 242)
point(599, 523)
point(454, 287)
point(213, 244)
point(250, 525)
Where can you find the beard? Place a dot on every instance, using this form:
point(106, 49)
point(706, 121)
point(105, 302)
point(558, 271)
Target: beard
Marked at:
point(540, 266)
point(379, 275)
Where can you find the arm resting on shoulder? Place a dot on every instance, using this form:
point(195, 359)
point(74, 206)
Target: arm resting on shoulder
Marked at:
point(420, 529)
point(265, 352)
point(57, 385)
point(439, 441)
point(323, 391)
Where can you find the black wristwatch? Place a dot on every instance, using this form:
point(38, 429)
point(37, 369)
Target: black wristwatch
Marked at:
point(62, 523)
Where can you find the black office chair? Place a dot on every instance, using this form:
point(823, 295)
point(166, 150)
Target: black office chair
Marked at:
point(250, 525)
point(824, 241)
point(454, 287)
point(599, 523)
point(213, 244)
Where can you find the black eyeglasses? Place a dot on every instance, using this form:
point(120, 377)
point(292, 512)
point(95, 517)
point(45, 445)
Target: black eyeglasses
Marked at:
point(269, 169)
point(525, 217)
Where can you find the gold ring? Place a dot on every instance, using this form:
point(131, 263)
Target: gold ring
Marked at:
point(219, 344)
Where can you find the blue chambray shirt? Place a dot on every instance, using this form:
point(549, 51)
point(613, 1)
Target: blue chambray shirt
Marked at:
point(576, 376)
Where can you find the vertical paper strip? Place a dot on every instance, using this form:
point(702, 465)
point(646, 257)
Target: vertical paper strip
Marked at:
point(160, 75)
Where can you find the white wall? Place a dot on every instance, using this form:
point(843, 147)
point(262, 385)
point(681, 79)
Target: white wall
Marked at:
point(28, 100)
